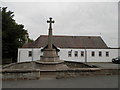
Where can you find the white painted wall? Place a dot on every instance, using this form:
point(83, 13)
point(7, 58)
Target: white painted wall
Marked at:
point(64, 55)
point(23, 55)
point(112, 53)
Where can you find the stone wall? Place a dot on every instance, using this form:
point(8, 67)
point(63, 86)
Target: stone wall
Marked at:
point(20, 75)
point(79, 73)
point(37, 74)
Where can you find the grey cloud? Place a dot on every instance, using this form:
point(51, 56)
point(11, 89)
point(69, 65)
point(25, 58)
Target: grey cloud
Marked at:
point(83, 18)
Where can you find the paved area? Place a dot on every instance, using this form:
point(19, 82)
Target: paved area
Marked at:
point(106, 65)
point(81, 82)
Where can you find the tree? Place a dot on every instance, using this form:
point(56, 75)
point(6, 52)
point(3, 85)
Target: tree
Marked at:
point(13, 35)
point(0, 37)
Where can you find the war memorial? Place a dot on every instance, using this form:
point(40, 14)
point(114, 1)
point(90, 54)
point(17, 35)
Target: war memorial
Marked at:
point(50, 66)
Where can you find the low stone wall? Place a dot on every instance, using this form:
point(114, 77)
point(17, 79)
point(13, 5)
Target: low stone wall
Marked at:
point(20, 74)
point(37, 74)
point(79, 73)
point(110, 72)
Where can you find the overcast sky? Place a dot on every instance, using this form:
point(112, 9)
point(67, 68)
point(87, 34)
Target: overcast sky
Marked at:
point(71, 18)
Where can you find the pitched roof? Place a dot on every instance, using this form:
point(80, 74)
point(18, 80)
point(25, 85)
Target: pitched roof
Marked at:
point(69, 42)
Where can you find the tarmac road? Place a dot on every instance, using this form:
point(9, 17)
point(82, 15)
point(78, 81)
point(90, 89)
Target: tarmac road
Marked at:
point(81, 82)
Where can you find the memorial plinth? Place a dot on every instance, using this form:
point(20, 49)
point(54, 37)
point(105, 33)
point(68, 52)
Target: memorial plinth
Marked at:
point(50, 55)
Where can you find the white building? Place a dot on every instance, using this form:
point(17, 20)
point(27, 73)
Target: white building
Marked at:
point(70, 48)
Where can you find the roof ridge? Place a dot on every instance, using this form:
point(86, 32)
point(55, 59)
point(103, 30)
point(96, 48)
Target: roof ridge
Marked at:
point(67, 36)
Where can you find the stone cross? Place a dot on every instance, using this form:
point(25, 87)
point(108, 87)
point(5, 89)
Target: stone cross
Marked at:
point(50, 33)
point(50, 25)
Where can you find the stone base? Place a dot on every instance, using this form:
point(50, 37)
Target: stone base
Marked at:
point(51, 66)
point(49, 55)
point(50, 52)
point(49, 58)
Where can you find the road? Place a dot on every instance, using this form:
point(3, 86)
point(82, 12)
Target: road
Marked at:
point(79, 82)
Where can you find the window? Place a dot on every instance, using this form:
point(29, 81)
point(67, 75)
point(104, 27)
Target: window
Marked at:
point(93, 54)
point(100, 53)
point(69, 53)
point(76, 53)
point(30, 53)
point(82, 53)
point(107, 54)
